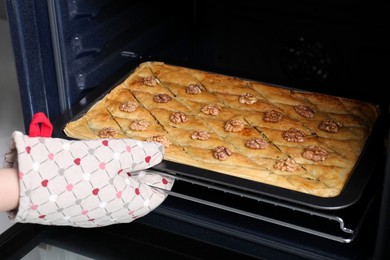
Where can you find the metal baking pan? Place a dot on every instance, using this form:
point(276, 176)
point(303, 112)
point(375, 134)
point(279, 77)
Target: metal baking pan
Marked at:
point(351, 193)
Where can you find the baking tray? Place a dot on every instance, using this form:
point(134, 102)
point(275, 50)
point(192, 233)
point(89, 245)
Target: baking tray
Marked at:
point(351, 193)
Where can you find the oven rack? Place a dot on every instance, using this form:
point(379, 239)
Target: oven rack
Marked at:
point(338, 225)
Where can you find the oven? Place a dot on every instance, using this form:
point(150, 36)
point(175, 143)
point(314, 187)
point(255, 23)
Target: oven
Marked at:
point(68, 52)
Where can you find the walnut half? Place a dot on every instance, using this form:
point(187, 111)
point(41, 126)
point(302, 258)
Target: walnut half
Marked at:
point(272, 116)
point(178, 117)
point(234, 125)
point(315, 153)
point(150, 81)
point(330, 125)
point(200, 135)
point(193, 89)
point(139, 125)
point(107, 132)
point(221, 153)
point(162, 98)
point(162, 139)
point(256, 143)
point(128, 106)
point(211, 109)
point(304, 110)
point(286, 165)
point(247, 98)
point(294, 135)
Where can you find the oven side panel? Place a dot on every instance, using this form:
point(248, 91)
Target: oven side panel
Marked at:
point(31, 39)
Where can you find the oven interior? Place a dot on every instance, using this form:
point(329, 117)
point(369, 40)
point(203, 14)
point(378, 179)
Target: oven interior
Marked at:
point(326, 46)
point(84, 47)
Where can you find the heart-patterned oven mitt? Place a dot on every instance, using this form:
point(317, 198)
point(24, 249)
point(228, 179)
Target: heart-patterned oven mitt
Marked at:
point(85, 183)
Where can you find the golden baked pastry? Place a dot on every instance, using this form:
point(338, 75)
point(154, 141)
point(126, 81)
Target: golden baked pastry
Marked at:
point(303, 141)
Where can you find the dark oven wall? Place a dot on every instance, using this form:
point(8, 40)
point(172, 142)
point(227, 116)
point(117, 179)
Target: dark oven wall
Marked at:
point(330, 46)
point(64, 49)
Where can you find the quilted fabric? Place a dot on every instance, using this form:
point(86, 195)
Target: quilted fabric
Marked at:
point(85, 183)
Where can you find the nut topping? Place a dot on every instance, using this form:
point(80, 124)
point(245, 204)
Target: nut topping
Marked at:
point(162, 139)
point(107, 132)
point(128, 106)
point(286, 165)
point(221, 153)
point(272, 116)
point(330, 125)
point(150, 81)
point(139, 125)
point(256, 143)
point(162, 98)
point(178, 117)
point(305, 111)
point(234, 125)
point(294, 135)
point(211, 109)
point(315, 153)
point(193, 89)
point(247, 98)
point(200, 135)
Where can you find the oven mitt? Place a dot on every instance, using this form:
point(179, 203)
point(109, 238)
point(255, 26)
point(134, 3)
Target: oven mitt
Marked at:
point(89, 183)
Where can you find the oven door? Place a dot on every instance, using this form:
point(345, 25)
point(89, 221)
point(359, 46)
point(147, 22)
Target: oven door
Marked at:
point(142, 242)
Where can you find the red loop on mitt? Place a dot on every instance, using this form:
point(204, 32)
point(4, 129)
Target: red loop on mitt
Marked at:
point(40, 126)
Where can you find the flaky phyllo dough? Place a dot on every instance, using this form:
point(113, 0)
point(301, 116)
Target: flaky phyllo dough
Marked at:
point(303, 141)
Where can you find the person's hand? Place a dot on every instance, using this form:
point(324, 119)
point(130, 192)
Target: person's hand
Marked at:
point(9, 189)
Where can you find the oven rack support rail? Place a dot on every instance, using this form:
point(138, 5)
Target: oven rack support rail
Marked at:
point(339, 230)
